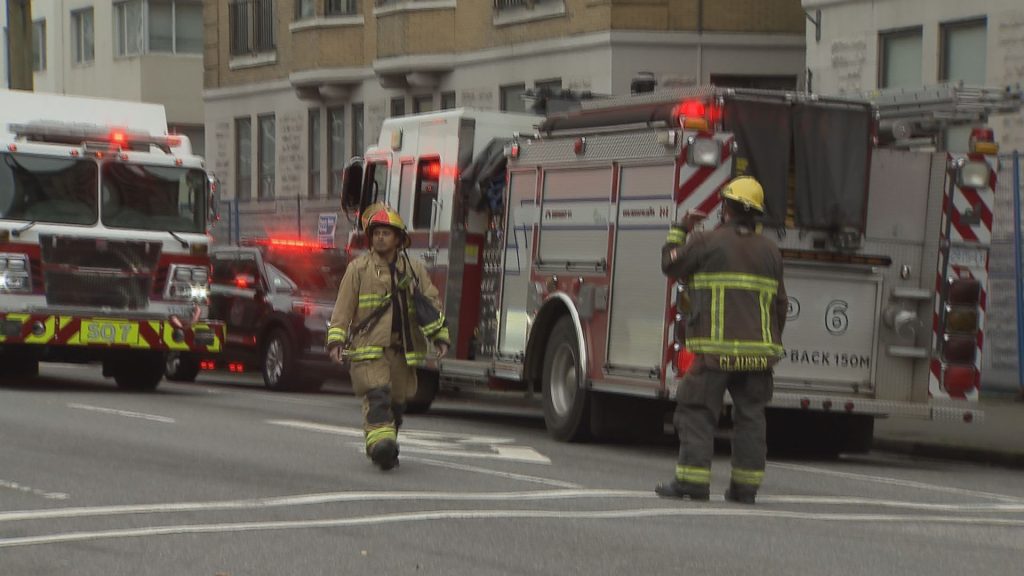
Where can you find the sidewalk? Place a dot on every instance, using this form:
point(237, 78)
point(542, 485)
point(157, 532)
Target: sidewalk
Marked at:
point(998, 440)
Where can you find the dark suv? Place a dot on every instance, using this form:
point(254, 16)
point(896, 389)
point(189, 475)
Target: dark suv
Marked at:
point(275, 298)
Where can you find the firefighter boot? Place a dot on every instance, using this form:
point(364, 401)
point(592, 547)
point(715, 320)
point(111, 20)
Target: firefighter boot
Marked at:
point(683, 490)
point(385, 454)
point(741, 493)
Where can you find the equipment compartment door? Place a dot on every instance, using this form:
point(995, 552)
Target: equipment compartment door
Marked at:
point(831, 333)
point(638, 293)
point(519, 245)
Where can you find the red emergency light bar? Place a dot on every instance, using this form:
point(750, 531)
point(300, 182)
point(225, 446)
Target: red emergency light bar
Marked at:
point(286, 243)
point(89, 134)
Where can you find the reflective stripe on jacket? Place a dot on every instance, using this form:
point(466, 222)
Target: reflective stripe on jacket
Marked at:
point(367, 286)
point(737, 296)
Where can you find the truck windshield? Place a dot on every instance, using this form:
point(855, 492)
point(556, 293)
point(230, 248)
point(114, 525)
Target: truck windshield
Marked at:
point(42, 189)
point(154, 197)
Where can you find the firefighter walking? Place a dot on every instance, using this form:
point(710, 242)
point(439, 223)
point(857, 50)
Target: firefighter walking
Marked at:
point(738, 310)
point(377, 325)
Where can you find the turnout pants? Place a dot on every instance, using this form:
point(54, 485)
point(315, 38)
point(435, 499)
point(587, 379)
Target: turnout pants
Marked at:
point(699, 404)
point(384, 385)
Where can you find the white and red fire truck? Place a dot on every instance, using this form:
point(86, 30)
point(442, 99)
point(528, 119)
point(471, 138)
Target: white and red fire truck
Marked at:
point(104, 222)
point(550, 264)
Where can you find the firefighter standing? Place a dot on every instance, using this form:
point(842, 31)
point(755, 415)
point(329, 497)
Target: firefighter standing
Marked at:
point(738, 310)
point(374, 320)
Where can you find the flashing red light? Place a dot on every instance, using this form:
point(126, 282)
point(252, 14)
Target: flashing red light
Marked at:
point(690, 109)
point(431, 170)
point(118, 138)
point(959, 380)
point(207, 365)
point(288, 243)
point(236, 367)
point(983, 135)
point(241, 281)
point(174, 141)
point(684, 359)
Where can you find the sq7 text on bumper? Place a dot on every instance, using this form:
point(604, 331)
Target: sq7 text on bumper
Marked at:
point(109, 332)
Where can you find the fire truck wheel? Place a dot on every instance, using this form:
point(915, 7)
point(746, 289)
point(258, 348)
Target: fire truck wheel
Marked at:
point(181, 367)
point(279, 365)
point(140, 371)
point(426, 390)
point(566, 400)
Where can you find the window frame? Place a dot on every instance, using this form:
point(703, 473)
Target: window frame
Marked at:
point(336, 171)
point(39, 45)
point(78, 29)
point(240, 177)
point(397, 107)
point(444, 105)
point(353, 8)
point(120, 11)
point(504, 96)
point(945, 28)
point(174, 26)
point(358, 129)
point(883, 63)
point(314, 169)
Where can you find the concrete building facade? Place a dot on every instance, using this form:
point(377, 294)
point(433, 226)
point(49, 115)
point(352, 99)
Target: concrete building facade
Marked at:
point(294, 88)
point(144, 50)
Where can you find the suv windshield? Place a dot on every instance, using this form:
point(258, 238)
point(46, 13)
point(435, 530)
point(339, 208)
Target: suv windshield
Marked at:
point(42, 189)
point(154, 197)
point(316, 271)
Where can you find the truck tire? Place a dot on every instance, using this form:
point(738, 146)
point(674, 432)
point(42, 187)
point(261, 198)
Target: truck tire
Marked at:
point(426, 391)
point(566, 398)
point(181, 367)
point(139, 371)
point(279, 365)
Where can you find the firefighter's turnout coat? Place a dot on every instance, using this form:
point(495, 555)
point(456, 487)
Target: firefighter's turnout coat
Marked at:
point(738, 301)
point(368, 285)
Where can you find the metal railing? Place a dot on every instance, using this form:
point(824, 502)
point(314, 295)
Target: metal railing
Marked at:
point(252, 28)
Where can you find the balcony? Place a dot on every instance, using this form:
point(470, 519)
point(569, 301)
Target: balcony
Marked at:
point(508, 12)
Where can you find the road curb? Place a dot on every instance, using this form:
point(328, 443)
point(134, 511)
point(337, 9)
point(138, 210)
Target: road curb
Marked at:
point(946, 452)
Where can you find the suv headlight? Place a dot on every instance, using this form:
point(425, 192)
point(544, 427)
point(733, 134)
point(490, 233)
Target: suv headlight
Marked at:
point(15, 273)
point(187, 282)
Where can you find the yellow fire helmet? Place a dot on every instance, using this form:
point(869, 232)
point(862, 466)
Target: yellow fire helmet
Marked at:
point(381, 215)
point(747, 191)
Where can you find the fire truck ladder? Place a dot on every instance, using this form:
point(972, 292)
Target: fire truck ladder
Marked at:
point(914, 117)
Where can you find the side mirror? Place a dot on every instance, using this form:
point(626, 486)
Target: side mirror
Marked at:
point(213, 213)
point(352, 186)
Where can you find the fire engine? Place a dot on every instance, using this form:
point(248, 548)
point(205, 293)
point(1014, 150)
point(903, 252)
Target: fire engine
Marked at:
point(547, 247)
point(104, 222)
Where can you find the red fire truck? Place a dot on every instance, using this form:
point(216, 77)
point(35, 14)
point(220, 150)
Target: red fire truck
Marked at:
point(104, 222)
point(546, 246)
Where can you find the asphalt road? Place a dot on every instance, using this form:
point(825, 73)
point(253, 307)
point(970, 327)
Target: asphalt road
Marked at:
point(225, 478)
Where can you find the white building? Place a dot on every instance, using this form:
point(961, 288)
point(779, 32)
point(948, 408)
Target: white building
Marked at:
point(144, 50)
point(860, 45)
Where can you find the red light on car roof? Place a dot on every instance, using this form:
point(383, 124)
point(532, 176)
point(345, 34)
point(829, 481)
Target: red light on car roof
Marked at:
point(241, 281)
point(288, 243)
point(118, 137)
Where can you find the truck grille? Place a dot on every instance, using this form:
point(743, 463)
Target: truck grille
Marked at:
point(98, 272)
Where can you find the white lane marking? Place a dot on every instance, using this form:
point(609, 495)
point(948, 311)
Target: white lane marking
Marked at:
point(488, 471)
point(896, 482)
point(438, 443)
point(10, 485)
point(310, 499)
point(562, 515)
point(125, 413)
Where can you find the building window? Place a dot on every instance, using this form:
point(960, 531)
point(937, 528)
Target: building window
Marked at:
point(447, 100)
point(506, 4)
point(39, 45)
point(964, 45)
point(553, 86)
point(512, 98)
point(305, 9)
point(176, 26)
point(336, 148)
point(358, 146)
point(267, 150)
point(398, 106)
point(899, 58)
point(128, 28)
point(423, 103)
point(252, 26)
point(243, 159)
point(82, 43)
point(341, 7)
point(314, 153)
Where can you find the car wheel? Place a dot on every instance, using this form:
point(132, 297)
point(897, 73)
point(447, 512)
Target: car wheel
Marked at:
point(181, 367)
point(279, 364)
point(566, 398)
